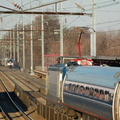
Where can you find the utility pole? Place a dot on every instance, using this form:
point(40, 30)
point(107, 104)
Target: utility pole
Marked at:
point(42, 34)
point(61, 32)
point(17, 45)
point(23, 45)
point(10, 45)
point(31, 37)
point(13, 44)
point(93, 25)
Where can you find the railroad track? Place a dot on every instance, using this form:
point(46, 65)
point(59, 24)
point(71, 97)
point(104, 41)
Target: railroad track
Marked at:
point(19, 80)
point(28, 84)
point(23, 89)
point(24, 86)
point(9, 109)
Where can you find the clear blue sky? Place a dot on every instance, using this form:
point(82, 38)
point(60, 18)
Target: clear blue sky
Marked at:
point(107, 13)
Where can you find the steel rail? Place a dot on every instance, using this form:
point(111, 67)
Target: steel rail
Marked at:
point(4, 114)
point(25, 116)
point(25, 82)
point(8, 72)
point(45, 5)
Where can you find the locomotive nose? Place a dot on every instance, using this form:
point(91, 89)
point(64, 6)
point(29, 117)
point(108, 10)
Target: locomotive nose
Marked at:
point(116, 103)
point(119, 107)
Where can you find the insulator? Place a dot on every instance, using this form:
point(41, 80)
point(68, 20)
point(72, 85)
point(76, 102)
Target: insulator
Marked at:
point(17, 6)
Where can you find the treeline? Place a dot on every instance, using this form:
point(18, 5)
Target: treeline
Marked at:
point(108, 43)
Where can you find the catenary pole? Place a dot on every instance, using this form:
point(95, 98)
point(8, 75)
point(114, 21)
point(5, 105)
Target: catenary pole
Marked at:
point(23, 39)
point(13, 44)
point(17, 45)
point(23, 44)
point(31, 37)
point(61, 32)
point(42, 34)
point(10, 44)
point(93, 34)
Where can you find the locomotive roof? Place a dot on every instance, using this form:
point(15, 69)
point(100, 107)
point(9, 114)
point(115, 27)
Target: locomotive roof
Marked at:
point(95, 75)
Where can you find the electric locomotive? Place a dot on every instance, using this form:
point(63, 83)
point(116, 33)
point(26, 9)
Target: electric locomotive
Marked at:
point(93, 90)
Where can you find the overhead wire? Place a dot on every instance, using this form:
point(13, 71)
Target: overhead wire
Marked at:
point(79, 7)
point(89, 9)
point(100, 7)
point(39, 22)
point(109, 26)
point(103, 6)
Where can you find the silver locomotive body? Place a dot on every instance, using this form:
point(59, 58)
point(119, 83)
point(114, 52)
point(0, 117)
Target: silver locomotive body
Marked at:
point(93, 90)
